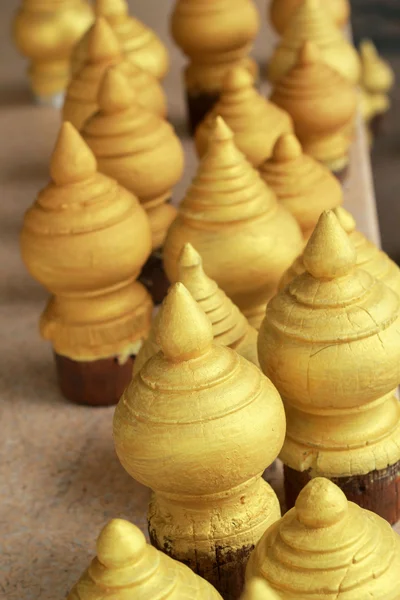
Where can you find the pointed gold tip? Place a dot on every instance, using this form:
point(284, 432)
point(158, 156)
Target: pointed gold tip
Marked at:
point(220, 132)
point(236, 79)
point(102, 43)
point(115, 93)
point(321, 503)
point(189, 257)
point(120, 543)
point(329, 252)
point(368, 49)
point(345, 219)
point(258, 589)
point(72, 160)
point(184, 331)
point(110, 8)
point(287, 148)
point(309, 54)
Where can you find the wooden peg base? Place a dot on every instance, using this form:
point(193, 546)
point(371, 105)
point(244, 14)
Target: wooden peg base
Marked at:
point(96, 383)
point(378, 491)
point(153, 277)
point(198, 105)
point(225, 569)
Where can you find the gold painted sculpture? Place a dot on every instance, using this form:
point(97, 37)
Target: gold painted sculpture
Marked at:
point(198, 425)
point(45, 32)
point(369, 257)
point(377, 81)
point(126, 568)
point(330, 342)
point(312, 23)
point(327, 548)
point(255, 122)
point(230, 326)
point(139, 43)
point(85, 240)
point(234, 221)
point(215, 37)
point(258, 589)
point(323, 107)
point(137, 148)
point(103, 50)
point(281, 12)
point(302, 185)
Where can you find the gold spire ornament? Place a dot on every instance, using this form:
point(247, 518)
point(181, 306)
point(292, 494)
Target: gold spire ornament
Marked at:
point(126, 567)
point(302, 185)
point(215, 37)
point(281, 12)
point(245, 238)
point(141, 151)
point(139, 43)
point(311, 22)
point(210, 504)
point(230, 326)
point(377, 81)
point(255, 122)
point(104, 51)
point(327, 548)
point(330, 342)
point(85, 240)
point(323, 107)
point(45, 32)
point(369, 257)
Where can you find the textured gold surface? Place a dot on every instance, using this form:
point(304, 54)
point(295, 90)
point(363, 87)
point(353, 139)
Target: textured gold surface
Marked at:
point(281, 11)
point(327, 548)
point(126, 567)
point(234, 221)
point(255, 122)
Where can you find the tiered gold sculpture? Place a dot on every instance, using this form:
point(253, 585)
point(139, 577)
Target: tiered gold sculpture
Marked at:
point(215, 37)
point(327, 548)
point(330, 342)
point(258, 589)
point(103, 51)
point(312, 23)
point(281, 12)
point(127, 568)
point(230, 326)
point(255, 122)
point(302, 185)
point(234, 221)
point(369, 257)
point(141, 151)
point(198, 425)
point(139, 43)
point(377, 80)
point(323, 107)
point(85, 239)
point(45, 32)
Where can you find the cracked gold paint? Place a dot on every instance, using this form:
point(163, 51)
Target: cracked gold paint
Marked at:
point(282, 11)
point(327, 548)
point(369, 257)
point(46, 32)
point(256, 123)
point(104, 51)
point(85, 240)
point(215, 36)
point(302, 185)
point(137, 148)
point(312, 23)
point(377, 81)
point(198, 425)
point(126, 568)
point(322, 105)
point(330, 342)
point(245, 238)
point(139, 43)
point(230, 326)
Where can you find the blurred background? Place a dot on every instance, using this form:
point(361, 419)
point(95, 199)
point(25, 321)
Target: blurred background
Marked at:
point(380, 21)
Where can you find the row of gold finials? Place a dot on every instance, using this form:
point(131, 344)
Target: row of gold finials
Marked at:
point(214, 401)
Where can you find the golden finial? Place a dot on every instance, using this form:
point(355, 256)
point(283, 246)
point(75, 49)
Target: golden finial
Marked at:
point(72, 160)
point(115, 94)
point(102, 43)
point(281, 12)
